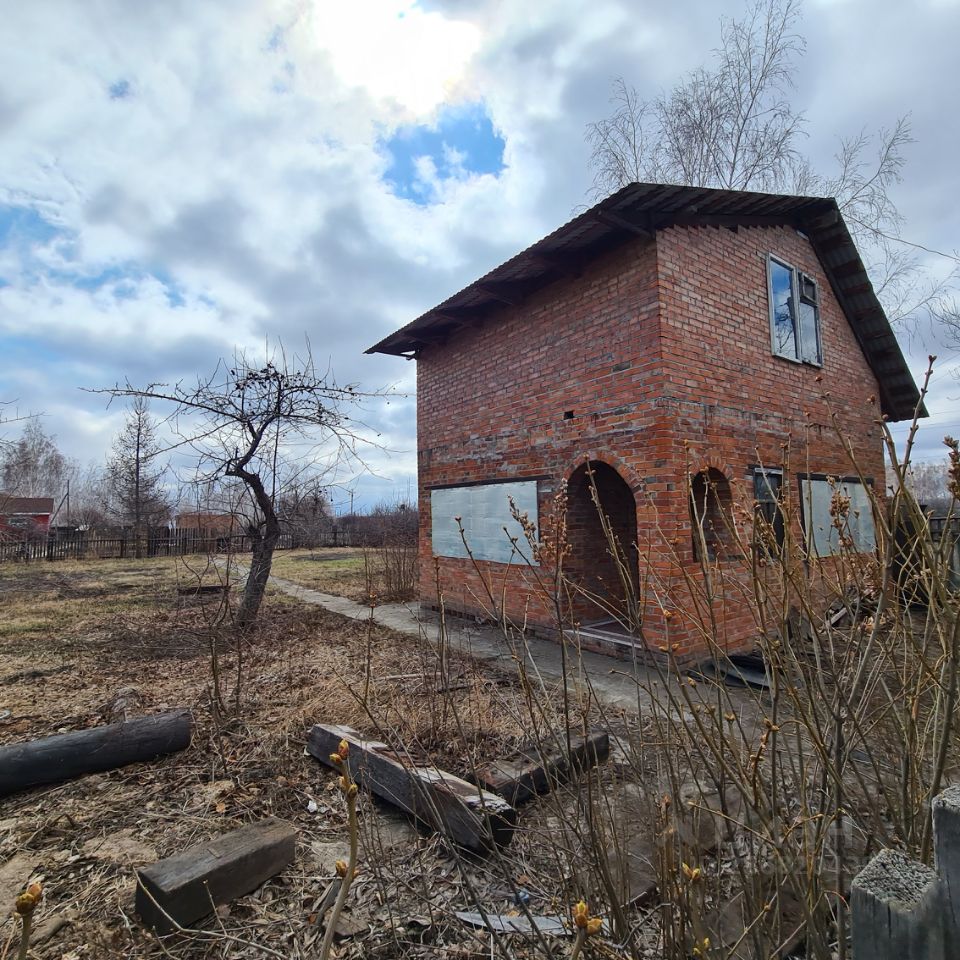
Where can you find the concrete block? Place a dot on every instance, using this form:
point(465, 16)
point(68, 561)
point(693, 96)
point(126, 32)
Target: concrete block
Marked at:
point(895, 910)
point(946, 834)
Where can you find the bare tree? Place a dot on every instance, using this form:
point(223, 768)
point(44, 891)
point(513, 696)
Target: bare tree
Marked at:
point(246, 419)
point(134, 478)
point(33, 466)
point(730, 125)
point(733, 125)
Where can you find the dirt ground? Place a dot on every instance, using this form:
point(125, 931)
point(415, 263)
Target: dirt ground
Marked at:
point(85, 643)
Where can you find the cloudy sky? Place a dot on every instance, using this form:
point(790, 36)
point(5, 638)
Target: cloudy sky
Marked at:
point(178, 179)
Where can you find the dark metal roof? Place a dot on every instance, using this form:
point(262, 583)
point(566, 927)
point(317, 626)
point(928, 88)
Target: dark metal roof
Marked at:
point(11, 505)
point(639, 210)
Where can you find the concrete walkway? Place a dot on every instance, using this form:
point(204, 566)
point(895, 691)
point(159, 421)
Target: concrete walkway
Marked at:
point(616, 684)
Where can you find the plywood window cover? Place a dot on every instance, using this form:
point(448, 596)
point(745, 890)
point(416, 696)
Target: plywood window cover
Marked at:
point(484, 511)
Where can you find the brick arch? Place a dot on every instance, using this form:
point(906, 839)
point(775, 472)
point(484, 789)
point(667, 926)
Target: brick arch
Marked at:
point(627, 473)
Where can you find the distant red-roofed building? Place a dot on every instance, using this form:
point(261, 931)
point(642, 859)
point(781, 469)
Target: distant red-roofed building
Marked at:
point(24, 517)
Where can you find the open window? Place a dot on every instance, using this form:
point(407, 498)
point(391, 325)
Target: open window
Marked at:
point(794, 313)
point(710, 502)
point(768, 523)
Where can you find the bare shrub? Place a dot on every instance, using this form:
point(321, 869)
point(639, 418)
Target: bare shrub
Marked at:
point(750, 807)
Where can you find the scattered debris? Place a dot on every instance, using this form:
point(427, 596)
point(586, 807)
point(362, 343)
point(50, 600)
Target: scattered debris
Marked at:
point(68, 755)
point(185, 887)
point(506, 923)
point(538, 768)
point(467, 814)
point(121, 848)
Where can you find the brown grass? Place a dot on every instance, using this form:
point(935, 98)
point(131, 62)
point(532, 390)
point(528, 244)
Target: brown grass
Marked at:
point(337, 570)
point(75, 634)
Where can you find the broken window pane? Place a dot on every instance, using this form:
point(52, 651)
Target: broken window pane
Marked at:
point(768, 530)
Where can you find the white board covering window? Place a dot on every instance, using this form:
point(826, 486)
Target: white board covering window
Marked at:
point(823, 537)
point(484, 512)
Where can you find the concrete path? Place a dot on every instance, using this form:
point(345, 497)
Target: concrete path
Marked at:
point(614, 683)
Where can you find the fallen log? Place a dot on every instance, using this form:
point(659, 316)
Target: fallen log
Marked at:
point(187, 886)
point(468, 815)
point(534, 769)
point(205, 589)
point(67, 755)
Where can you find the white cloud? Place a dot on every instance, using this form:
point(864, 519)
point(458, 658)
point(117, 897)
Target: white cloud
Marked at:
point(237, 185)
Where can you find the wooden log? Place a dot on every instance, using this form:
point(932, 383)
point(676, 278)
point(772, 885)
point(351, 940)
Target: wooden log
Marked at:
point(468, 815)
point(533, 770)
point(188, 885)
point(205, 589)
point(66, 755)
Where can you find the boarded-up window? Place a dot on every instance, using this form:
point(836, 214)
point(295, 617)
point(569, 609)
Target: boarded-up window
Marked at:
point(832, 507)
point(484, 512)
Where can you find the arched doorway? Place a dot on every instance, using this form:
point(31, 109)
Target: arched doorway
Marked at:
point(602, 533)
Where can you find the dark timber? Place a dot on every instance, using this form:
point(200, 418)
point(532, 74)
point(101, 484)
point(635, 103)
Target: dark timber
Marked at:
point(68, 755)
point(534, 769)
point(466, 814)
point(188, 885)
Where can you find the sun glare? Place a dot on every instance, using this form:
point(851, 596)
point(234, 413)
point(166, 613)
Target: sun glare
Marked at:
point(396, 50)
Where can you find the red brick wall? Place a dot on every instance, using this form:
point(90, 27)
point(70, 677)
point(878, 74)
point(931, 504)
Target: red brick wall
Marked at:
point(662, 353)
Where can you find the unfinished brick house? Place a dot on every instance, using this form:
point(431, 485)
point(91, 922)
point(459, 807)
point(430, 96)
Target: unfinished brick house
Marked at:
point(675, 343)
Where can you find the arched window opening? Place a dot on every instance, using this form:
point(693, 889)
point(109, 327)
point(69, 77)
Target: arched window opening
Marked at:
point(710, 502)
point(603, 555)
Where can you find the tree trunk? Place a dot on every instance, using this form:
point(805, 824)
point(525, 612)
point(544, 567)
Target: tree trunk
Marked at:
point(260, 563)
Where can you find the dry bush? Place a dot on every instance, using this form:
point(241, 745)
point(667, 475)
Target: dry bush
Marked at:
point(753, 808)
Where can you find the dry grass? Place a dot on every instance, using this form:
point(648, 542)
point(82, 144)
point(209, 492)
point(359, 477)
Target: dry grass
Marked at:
point(339, 570)
point(74, 635)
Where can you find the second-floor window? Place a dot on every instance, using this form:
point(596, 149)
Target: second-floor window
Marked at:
point(794, 313)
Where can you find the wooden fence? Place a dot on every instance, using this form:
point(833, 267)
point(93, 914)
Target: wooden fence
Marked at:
point(941, 529)
point(113, 548)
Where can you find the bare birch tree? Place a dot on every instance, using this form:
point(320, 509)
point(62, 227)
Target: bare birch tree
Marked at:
point(732, 124)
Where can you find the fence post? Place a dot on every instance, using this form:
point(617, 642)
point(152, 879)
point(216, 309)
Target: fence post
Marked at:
point(895, 905)
point(904, 910)
point(946, 843)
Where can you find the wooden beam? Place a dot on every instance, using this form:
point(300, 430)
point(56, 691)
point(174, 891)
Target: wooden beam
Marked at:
point(499, 292)
point(725, 220)
point(467, 815)
point(68, 755)
point(188, 885)
point(531, 770)
point(616, 220)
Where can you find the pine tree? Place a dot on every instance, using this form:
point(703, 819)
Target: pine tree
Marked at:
point(134, 478)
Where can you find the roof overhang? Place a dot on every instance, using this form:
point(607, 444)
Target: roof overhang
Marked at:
point(638, 211)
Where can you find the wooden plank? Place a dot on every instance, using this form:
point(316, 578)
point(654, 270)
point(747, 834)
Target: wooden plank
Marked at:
point(188, 885)
point(531, 770)
point(67, 755)
point(466, 814)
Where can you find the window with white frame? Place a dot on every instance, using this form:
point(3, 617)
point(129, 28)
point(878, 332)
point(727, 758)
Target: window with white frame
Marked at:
point(794, 313)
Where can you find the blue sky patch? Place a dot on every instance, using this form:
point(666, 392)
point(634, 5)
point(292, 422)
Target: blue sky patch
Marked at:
point(119, 90)
point(21, 226)
point(23, 230)
point(461, 144)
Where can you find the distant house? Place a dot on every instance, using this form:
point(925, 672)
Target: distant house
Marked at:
point(669, 342)
point(24, 517)
point(209, 524)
